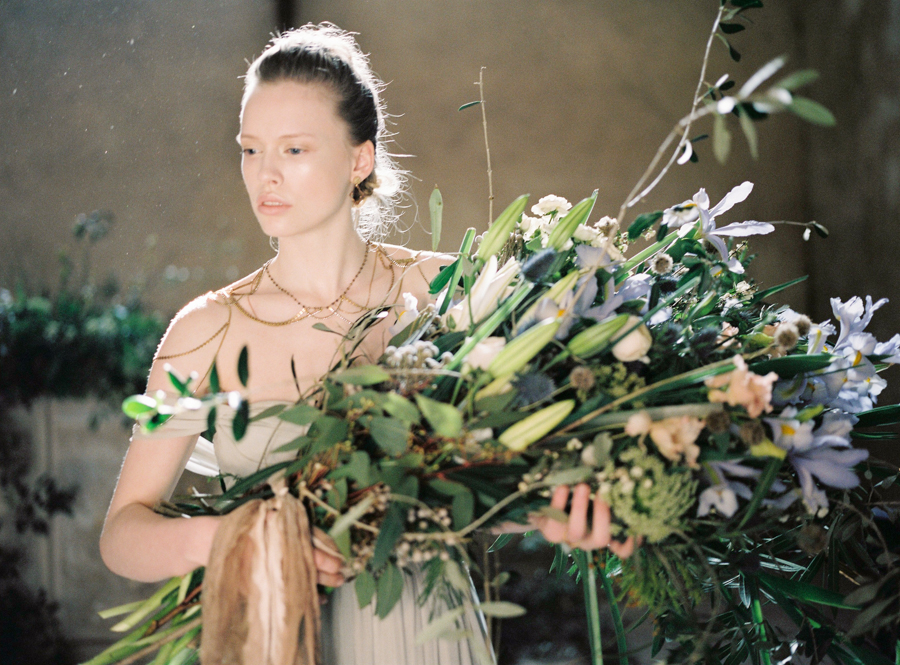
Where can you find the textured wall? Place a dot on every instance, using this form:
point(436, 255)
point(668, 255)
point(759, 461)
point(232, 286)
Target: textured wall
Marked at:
point(133, 107)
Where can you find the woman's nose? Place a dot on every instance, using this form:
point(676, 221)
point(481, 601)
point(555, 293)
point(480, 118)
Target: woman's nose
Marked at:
point(269, 170)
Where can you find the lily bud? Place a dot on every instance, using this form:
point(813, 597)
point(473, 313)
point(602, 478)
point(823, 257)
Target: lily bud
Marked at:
point(523, 348)
point(496, 236)
point(594, 339)
point(525, 432)
point(564, 230)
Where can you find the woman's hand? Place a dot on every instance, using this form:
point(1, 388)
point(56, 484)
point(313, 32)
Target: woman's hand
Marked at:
point(575, 532)
point(329, 561)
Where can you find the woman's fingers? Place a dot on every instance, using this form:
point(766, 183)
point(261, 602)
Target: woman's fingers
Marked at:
point(328, 559)
point(622, 550)
point(577, 527)
point(554, 531)
point(600, 535)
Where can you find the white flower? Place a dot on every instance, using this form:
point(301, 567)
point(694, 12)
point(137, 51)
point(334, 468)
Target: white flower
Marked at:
point(407, 315)
point(606, 225)
point(491, 287)
point(484, 352)
point(551, 204)
point(720, 497)
point(634, 345)
point(528, 225)
point(585, 233)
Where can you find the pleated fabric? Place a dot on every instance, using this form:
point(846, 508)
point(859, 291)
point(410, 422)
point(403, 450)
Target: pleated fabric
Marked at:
point(353, 636)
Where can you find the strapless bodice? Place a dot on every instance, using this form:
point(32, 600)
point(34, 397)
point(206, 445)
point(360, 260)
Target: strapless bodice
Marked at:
point(258, 447)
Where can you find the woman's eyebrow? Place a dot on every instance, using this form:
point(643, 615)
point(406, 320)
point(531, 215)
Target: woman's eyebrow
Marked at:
point(283, 136)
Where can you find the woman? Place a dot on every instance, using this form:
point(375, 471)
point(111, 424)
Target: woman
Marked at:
point(322, 184)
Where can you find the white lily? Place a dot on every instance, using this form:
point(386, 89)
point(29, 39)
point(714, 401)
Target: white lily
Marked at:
point(491, 288)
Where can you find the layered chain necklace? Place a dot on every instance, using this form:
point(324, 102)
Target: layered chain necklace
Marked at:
point(319, 312)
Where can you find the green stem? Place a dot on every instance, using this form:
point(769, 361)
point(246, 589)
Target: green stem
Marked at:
point(757, 615)
point(621, 640)
point(586, 565)
point(464, 249)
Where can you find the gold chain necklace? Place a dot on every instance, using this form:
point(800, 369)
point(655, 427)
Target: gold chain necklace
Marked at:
point(334, 305)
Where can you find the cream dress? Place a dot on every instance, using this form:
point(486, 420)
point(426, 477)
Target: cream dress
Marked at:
point(350, 635)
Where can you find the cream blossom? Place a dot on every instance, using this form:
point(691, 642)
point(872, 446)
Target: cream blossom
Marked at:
point(407, 315)
point(550, 204)
point(634, 345)
point(741, 387)
point(484, 352)
point(674, 437)
point(585, 233)
point(528, 225)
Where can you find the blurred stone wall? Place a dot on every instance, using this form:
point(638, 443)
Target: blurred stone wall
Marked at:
point(133, 107)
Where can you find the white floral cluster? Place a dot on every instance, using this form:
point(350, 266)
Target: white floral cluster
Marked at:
point(548, 213)
point(416, 355)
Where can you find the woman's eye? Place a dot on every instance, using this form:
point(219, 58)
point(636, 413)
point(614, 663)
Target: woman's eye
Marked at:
point(295, 151)
point(248, 151)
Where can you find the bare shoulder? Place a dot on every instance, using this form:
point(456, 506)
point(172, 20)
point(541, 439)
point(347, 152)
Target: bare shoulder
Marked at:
point(192, 338)
point(426, 265)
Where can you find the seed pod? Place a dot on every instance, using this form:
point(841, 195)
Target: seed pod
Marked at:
point(525, 432)
point(523, 348)
point(590, 341)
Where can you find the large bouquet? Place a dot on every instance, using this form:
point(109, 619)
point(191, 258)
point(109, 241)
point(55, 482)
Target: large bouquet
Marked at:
point(717, 425)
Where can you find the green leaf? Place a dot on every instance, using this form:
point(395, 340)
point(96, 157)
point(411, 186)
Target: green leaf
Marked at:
point(389, 589)
point(762, 295)
point(329, 430)
point(300, 414)
point(358, 468)
point(798, 79)
point(731, 28)
point(463, 509)
point(469, 104)
point(391, 530)
point(642, 223)
point(442, 278)
point(214, 383)
point(812, 111)
point(400, 407)
point(808, 593)
point(364, 375)
point(447, 487)
point(365, 588)
point(445, 419)
point(501, 541)
point(436, 208)
point(442, 625)
point(181, 386)
point(243, 370)
point(880, 416)
point(569, 476)
point(768, 476)
point(502, 609)
point(721, 139)
point(788, 367)
point(137, 405)
point(343, 523)
point(391, 434)
point(241, 420)
point(749, 130)
point(271, 412)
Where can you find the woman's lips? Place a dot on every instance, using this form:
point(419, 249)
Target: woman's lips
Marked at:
point(270, 205)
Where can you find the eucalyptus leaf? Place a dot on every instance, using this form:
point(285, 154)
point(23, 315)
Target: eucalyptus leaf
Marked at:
point(241, 420)
point(463, 509)
point(270, 412)
point(436, 208)
point(569, 476)
point(300, 414)
point(214, 383)
point(502, 540)
point(391, 434)
point(365, 586)
point(401, 408)
point(391, 530)
point(721, 139)
point(798, 79)
point(469, 104)
point(502, 609)
point(442, 278)
point(446, 419)
point(440, 626)
point(812, 111)
point(138, 405)
point(389, 588)
point(749, 130)
point(243, 366)
point(364, 375)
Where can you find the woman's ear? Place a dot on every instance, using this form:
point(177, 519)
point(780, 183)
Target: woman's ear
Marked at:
point(364, 163)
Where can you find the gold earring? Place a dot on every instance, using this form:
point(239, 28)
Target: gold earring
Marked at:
point(356, 193)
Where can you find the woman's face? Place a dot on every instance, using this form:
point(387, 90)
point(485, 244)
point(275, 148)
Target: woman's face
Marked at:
point(298, 162)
